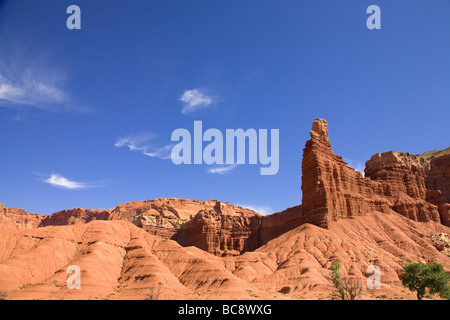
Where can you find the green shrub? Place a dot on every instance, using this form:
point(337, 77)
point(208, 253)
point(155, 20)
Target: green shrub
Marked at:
point(421, 276)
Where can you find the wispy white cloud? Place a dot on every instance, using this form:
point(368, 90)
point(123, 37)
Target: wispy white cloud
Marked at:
point(30, 89)
point(34, 83)
point(356, 164)
point(141, 143)
point(59, 181)
point(264, 210)
point(195, 100)
point(222, 169)
point(134, 142)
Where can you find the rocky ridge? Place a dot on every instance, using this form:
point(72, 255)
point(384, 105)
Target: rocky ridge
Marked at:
point(13, 218)
point(393, 181)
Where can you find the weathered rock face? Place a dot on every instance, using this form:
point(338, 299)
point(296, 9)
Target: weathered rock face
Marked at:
point(12, 218)
point(161, 216)
point(402, 176)
point(74, 216)
point(400, 173)
point(216, 227)
point(438, 176)
point(276, 224)
point(166, 207)
point(221, 234)
point(331, 189)
point(159, 225)
point(393, 181)
point(435, 197)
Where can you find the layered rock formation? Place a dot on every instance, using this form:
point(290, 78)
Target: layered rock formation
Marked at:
point(216, 227)
point(437, 174)
point(438, 181)
point(435, 197)
point(402, 176)
point(393, 181)
point(13, 218)
point(276, 224)
point(221, 234)
point(74, 216)
point(331, 189)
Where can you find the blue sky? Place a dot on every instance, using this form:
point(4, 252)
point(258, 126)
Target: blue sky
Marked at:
point(72, 102)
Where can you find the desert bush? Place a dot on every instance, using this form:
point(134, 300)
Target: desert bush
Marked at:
point(154, 294)
point(344, 288)
point(421, 277)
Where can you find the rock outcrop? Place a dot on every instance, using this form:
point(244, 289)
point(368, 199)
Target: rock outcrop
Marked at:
point(402, 176)
point(13, 218)
point(74, 216)
point(276, 224)
point(331, 189)
point(393, 181)
point(216, 227)
point(438, 176)
point(435, 197)
point(221, 234)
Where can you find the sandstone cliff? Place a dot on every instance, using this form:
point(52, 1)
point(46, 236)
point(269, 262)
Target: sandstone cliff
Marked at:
point(221, 234)
point(393, 181)
point(331, 189)
point(216, 227)
point(402, 176)
point(13, 218)
point(74, 216)
point(438, 183)
point(276, 224)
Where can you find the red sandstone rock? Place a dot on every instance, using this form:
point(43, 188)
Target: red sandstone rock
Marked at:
point(276, 224)
point(331, 189)
point(221, 234)
point(435, 197)
point(216, 227)
point(174, 208)
point(438, 176)
point(74, 216)
point(402, 176)
point(18, 218)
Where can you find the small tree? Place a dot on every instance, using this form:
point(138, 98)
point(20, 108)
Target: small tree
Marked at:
point(421, 276)
point(344, 288)
point(154, 295)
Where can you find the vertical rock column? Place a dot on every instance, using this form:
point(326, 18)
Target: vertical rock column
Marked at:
point(331, 189)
